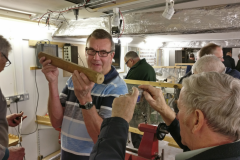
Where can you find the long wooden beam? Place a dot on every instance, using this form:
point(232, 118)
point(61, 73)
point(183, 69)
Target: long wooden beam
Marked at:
point(157, 84)
point(170, 67)
point(184, 64)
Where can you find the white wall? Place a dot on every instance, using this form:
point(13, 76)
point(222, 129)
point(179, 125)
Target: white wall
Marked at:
point(235, 52)
point(18, 78)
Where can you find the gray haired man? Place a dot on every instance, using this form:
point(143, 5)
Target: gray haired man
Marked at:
point(208, 119)
point(208, 63)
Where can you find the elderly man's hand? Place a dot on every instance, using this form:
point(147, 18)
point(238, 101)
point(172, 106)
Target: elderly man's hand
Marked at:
point(154, 96)
point(82, 87)
point(15, 119)
point(124, 105)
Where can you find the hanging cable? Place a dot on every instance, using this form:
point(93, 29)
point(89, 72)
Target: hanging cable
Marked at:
point(50, 12)
point(123, 24)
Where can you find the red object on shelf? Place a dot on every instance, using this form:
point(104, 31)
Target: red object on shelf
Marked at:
point(148, 148)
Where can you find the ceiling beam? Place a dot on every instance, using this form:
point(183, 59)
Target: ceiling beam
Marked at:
point(114, 5)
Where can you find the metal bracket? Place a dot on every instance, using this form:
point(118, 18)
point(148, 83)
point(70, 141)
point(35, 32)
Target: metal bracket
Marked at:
point(22, 97)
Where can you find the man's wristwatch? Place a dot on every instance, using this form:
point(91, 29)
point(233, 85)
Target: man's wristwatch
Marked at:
point(88, 105)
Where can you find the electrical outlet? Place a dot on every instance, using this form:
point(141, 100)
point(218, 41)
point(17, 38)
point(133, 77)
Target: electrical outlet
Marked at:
point(22, 97)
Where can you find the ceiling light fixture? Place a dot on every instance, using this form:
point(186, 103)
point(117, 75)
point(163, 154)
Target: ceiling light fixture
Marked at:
point(76, 12)
point(169, 10)
point(18, 11)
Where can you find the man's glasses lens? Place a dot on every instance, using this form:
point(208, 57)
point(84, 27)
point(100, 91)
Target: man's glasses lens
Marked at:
point(7, 64)
point(8, 61)
point(92, 52)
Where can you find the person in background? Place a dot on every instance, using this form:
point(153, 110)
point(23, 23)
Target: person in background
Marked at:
point(208, 120)
point(238, 64)
point(229, 61)
point(7, 153)
point(208, 63)
point(191, 58)
point(216, 50)
point(82, 106)
point(139, 70)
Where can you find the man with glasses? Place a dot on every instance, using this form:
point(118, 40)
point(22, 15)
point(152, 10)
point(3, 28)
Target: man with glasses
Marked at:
point(139, 70)
point(11, 153)
point(82, 105)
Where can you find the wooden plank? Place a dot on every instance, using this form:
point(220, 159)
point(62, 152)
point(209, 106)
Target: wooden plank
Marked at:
point(32, 43)
point(135, 130)
point(45, 120)
point(52, 155)
point(174, 145)
point(157, 84)
point(34, 68)
point(184, 64)
point(13, 140)
point(169, 66)
point(81, 52)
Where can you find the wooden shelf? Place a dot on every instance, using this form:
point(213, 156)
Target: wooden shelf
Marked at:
point(52, 155)
point(13, 140)
point(45, 120)
point(34, 68)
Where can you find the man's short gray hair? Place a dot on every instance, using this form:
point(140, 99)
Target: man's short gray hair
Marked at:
point(102, 34)
point(5, 46)
point(131, 54)
point(217, 96)
point(208, 63)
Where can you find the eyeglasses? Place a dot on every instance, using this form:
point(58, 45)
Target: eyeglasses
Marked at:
point(8, 61)
point(92, 52)
point(127, 61)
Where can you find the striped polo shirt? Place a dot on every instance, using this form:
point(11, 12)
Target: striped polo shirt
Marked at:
point(74, 136)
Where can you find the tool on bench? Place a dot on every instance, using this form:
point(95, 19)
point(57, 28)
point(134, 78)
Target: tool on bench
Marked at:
point(148, 149)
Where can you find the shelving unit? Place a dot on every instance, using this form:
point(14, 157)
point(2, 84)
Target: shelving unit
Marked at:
point(149, 55)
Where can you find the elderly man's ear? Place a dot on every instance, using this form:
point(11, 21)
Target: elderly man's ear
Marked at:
point(198, 121)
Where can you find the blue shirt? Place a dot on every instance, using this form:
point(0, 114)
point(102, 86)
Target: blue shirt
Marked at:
point(74, 136)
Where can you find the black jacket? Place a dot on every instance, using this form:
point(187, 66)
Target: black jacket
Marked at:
point(111, 144)
point(229, 62)
point(112, 141)
point(238, 66)
point(142, 71)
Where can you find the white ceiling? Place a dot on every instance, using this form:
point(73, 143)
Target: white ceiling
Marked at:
point(42, 6)
point(195, 37)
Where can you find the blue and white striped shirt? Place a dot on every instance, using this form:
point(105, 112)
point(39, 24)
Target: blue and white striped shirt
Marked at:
point(75, 138)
